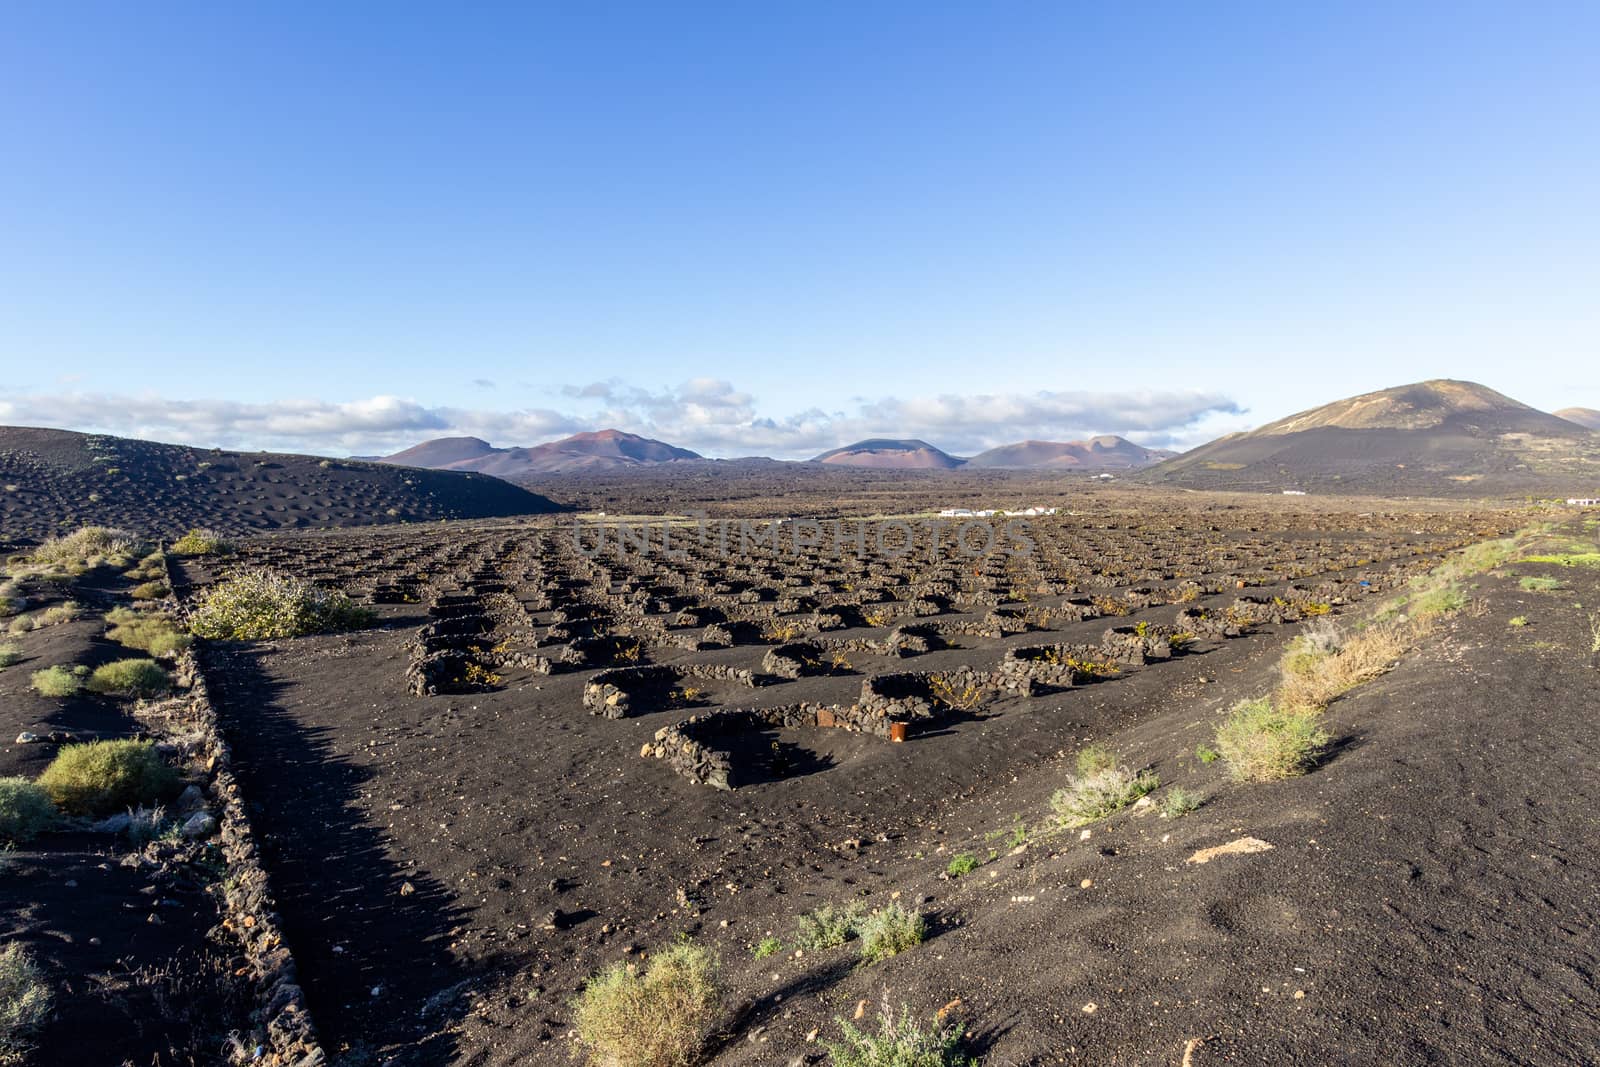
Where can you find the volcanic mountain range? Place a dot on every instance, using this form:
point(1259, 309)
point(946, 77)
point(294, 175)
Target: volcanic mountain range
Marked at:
point(616, 450)
point(1440, 435)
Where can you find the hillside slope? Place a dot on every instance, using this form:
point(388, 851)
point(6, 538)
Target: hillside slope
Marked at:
point(1432, 437)
point(51, 480)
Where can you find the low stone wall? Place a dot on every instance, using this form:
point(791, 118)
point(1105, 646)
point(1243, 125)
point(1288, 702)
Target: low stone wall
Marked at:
point(1058, 666)
point(1135, 644)
point(695, 747)
point(615, 693)
point(921, 696)
point(285, 1034)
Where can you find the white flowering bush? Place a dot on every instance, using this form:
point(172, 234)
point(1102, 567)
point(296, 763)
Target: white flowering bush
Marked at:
point(259, 604)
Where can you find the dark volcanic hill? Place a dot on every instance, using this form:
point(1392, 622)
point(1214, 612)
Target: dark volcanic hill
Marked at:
point(54, 480)
point(599, 450)
point(442, 453)
point(1439, 436)
point(1587, 417)
point(1106, 452)
point(888, 454)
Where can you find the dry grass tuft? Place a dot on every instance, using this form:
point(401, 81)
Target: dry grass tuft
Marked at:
point(900, 1041)
point(657, 1018)
point(25, 999)
point(1102, 787)
point(1325, 662)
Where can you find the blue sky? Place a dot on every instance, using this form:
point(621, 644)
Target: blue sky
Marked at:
point(773, 228)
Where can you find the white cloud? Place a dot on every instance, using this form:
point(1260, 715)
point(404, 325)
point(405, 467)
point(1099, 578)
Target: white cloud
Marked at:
point(709, 415)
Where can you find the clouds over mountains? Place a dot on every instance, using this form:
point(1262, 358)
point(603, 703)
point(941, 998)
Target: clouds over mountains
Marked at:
point(708, 415)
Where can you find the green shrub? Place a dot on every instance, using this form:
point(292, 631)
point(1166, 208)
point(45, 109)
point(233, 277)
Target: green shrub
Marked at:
point(1095, 758)
point(149, 591)
point(55, 682)
point(768, 946)
point(1542, 585)
point(260, 604)
point(1207, 754)
point(962, 863)
point(899, 1043)
point(25, 999)
point(130, 677)
point(10, 656)
point(101, 777)
point(890, 931)
point(658, 1018)
point(1101, 787)
point(91, 544)
point(829, 926)
point(1263, 742)
point(22, 624)
point(155, 633)
point(202, 542)
point(1178, 801)
point(64, 612)
point(1444, 600)
point(26, 810)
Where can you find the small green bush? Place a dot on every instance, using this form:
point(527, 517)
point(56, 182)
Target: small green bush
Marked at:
point(829, 926)
point(26, 810)
point(768, 946)
point(1207, 754)
point(1263, 742)
point(962, 863)
point(890, 931)
point(153, 632)
point(101, 777)
point(1093, 759)
point(10, 656)
point(1178, 801)
point(658, 1018)
point(57, 682)
point(64, 612)
point(149, 591)
point(1101, 787)
point(25, 999)
point(899, 1042)
point(130, 677)
point(1542, 585)
point(202, 542)
point(1444, 600)
point(261, 604)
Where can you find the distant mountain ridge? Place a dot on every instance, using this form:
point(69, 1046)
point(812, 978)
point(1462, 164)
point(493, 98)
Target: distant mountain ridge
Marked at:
point(596, 450)
point(1588, 417)
point(617, 450)
point(1105, 452)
